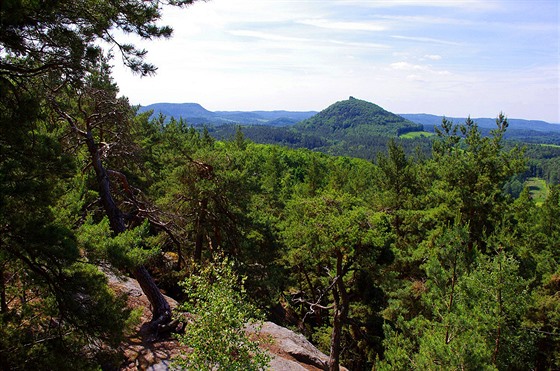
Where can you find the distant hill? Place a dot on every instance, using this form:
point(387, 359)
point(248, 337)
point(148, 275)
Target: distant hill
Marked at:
point(351, 127)
point(195, 114)
point(524, 131)
point(429, 121)
point(341, 115)
point(355, 117)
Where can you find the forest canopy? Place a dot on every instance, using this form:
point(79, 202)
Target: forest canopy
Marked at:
point(401, 261)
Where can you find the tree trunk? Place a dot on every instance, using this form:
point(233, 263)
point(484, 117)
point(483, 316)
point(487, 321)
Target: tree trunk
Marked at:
point(451, 297)
point(3, 302)
point(200, 221)
point(341, 302)
point(334, 357)
point(500, 312)
point(161, 311)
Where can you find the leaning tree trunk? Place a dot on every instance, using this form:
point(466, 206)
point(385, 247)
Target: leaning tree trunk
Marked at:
point(161, 311)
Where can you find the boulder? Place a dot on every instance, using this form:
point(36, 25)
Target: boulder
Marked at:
point(291, 351)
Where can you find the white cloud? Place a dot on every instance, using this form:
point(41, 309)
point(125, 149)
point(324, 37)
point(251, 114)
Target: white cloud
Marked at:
point(426, 40)
point(267, 36)
point(361, 44)
point(471, 5)
point(405, 66)
point(416, 78)
point(349, 26)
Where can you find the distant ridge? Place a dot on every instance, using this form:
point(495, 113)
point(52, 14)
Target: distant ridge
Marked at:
point(358, 128)
point(357, 117)
point(351, 127)
point(194, 113)
point(429, 121)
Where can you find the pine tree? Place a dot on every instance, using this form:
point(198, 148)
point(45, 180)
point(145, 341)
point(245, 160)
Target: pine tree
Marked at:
point(56, 46)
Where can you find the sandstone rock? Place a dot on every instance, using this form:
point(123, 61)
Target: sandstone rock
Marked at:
point(294, 345)
point(289, 351)
point(282, 364)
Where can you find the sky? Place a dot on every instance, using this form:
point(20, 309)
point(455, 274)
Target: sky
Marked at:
point(445, 57)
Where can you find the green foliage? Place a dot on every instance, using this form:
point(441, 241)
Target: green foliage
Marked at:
point(472, 320)
point(126, 250)
point(477, 254)
point(56, 310)
point(218, 315)
point(540, 248)
point(451, 249)
point(335, 245)
point(416, 134)
point(83, 313)
point(295, 213)
point(471, 171)
point(543, 318)
point(64, 36)
point(53, 306)
point(319, 226)
point(537, 189)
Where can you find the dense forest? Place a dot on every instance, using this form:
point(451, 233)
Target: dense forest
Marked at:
point(438, 258)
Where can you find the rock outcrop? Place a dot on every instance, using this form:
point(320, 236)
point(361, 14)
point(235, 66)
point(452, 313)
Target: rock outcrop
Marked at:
point(291, 351)
point(288, 350)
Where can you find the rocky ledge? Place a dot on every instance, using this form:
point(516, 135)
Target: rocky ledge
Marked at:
point(288, 350)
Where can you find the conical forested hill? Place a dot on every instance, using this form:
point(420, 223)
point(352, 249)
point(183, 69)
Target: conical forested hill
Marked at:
point(355, 117)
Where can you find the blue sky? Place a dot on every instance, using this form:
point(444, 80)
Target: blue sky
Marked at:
point(445, 57)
